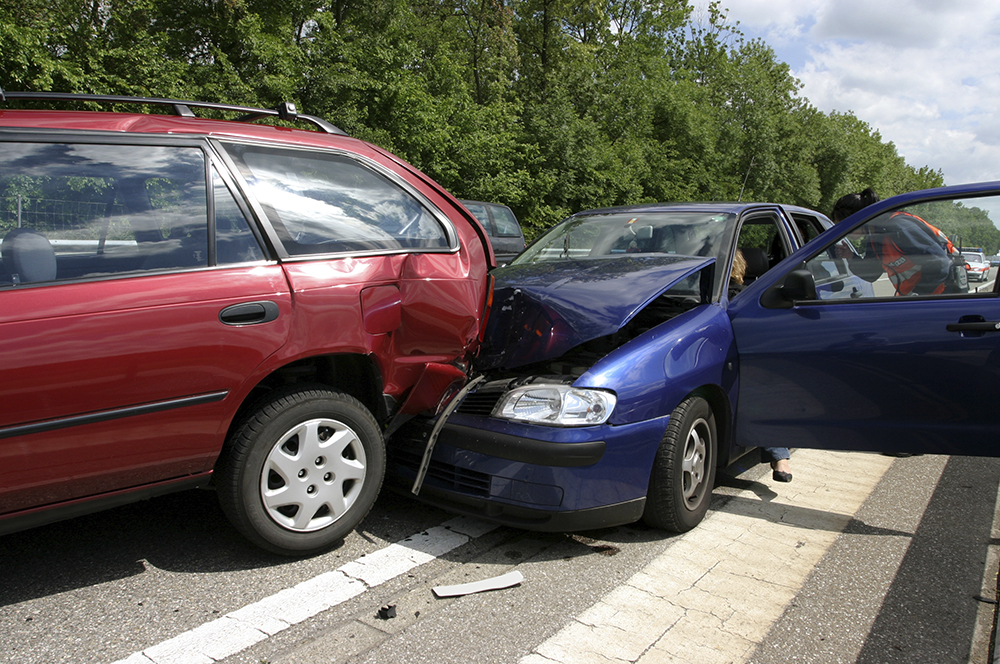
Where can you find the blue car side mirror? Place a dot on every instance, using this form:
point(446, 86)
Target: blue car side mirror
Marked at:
point(798, 285)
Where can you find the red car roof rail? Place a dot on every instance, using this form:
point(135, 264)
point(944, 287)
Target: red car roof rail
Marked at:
point(286, 110)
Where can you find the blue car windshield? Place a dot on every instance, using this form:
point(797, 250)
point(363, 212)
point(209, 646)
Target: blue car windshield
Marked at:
point(686, 233)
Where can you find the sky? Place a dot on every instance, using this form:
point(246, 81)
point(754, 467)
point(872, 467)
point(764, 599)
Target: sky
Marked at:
point(925, 74)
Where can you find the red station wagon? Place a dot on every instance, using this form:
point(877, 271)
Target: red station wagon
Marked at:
point(186, 301)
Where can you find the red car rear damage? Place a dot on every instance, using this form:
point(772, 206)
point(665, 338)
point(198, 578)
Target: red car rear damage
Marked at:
point(259, 285)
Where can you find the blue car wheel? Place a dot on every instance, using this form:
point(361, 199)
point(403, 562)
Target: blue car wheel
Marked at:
point(683, 473)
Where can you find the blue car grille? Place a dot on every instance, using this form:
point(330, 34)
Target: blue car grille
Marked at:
point(446, 475)
point(479, 403)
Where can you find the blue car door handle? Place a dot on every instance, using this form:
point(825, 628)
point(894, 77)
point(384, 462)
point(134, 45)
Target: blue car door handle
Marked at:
point(974, 326)
point(249, 313)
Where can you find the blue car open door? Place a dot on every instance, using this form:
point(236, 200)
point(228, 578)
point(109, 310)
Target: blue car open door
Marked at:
point(910, 365)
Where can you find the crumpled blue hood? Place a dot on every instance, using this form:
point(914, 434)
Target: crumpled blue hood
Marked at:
point(541, 310)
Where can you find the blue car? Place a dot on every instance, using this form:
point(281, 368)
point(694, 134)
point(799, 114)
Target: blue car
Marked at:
point(621, 366)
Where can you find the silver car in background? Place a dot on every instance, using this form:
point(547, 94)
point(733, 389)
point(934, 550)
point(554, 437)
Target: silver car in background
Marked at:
point(977, 265)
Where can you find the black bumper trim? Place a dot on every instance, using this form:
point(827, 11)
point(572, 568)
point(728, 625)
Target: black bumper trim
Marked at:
point(529, 518)
point(525, 450)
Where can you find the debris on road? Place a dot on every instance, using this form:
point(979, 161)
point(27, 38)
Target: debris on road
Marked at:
point(495, 583)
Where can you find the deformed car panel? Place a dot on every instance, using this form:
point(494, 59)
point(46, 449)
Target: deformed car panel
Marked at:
point(809, 352)
point(597, 334)
point(590, 475)
point(188, 299)
point(542, 310)
point(655, 370)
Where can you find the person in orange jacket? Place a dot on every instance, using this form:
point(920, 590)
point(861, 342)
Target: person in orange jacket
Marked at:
point(917, 257)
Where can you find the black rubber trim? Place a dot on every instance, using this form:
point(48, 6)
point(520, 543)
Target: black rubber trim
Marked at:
point(108, 415)
point(50, 514)
point(974, 326)
point(525, 450)
point(529, 518)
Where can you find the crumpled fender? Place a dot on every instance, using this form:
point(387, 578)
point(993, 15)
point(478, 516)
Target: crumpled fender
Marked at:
point(541, 310)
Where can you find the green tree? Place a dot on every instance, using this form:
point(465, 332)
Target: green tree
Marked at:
point(86, 47)
point(965, 225)
point(549, 106)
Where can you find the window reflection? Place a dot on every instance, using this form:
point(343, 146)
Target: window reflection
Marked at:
point(323, 203)
point(904, 252)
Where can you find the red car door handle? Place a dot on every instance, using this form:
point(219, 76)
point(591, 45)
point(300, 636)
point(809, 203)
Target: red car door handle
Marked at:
point(249, 313)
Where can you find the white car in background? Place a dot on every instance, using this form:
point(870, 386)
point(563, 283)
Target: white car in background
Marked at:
point(977, 265)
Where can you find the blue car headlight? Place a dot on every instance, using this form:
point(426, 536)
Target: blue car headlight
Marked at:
point(558, 405)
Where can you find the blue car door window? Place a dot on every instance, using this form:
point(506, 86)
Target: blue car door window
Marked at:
point(910, 367)
point(763, 241)
point(900, 252)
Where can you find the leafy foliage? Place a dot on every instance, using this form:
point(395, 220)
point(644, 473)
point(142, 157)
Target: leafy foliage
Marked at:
point(549, 106)
point(965, 224)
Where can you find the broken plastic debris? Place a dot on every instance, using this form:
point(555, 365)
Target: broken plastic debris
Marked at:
point(388, 611)
point(496, 583)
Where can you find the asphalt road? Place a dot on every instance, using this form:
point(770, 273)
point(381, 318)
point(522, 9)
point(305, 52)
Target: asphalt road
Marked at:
point(904, 573)
point(911, 579)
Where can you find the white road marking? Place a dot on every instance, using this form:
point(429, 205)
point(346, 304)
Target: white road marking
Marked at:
point(255, 622)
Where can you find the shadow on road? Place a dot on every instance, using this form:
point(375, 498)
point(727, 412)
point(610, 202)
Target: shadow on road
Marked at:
point(793, 515)
point(184, 533)
point(929, 613)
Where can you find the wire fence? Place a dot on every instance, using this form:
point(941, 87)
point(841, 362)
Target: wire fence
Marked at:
point(65, 219)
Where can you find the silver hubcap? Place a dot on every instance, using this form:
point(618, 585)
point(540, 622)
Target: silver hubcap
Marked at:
point(693, 463)
point(313, 475)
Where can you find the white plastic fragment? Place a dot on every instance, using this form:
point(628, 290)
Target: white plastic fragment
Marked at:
point(496, 583)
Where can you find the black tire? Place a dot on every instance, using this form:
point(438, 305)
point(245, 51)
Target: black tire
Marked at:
point(683, 474)
point(302, 470)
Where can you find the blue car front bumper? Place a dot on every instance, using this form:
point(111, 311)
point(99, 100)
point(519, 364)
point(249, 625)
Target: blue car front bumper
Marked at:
point(533, 477)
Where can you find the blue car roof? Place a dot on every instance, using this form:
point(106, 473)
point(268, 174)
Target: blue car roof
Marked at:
point(709, 206)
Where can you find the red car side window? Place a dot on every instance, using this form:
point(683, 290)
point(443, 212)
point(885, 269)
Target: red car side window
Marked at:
point(322, 203)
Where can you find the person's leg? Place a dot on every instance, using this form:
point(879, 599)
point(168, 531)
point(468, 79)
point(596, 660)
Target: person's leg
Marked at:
point(779, 458)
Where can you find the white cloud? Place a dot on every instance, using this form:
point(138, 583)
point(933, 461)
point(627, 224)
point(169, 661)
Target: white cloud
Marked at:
point(767, 14)
point(921, 72)
point(900, 23)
